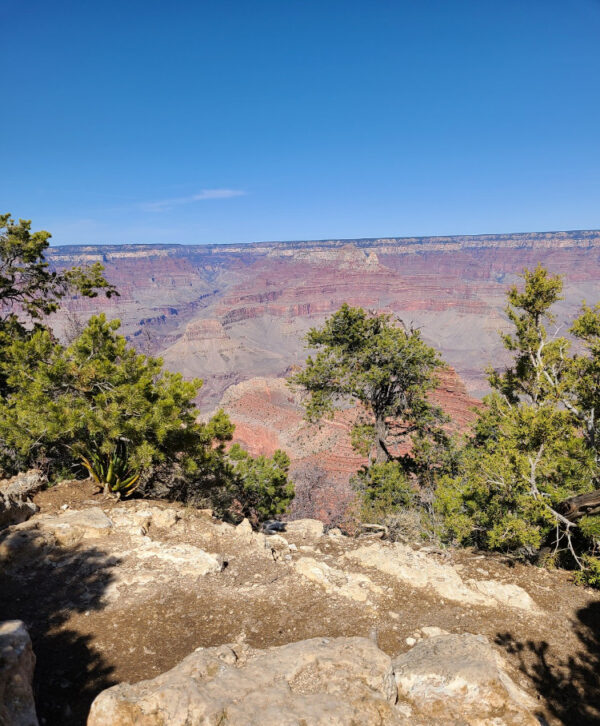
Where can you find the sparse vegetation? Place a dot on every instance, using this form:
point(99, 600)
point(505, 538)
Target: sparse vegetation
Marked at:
point(96, 405)
point(525, 482)
point(387, 368)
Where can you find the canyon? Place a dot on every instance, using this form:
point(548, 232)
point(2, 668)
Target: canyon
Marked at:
point(229, 313)
point(235, 316)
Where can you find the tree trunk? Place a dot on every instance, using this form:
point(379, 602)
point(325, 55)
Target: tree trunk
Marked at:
point(575, 508)
point(381, 452)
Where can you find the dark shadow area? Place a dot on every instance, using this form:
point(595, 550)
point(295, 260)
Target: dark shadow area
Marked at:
point(570, 686)
point(44, 586)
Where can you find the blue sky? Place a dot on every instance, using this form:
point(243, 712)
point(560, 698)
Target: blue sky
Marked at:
point(212, 121)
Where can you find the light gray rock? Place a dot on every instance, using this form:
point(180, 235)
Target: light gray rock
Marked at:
point(17, 662)
point(308, 529)
point(421, 570)
point(15, 494)
point(351, 585)
point(23, 486)
point(318, 682)
point(505, 593)
point(72, 526)
point(460, 679)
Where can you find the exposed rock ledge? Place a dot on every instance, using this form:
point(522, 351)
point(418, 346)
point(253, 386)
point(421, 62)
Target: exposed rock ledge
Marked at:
point(450, 679)
point(143, 584)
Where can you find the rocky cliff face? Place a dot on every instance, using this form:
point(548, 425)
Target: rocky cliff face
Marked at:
point(229, 313)
point(268, 415)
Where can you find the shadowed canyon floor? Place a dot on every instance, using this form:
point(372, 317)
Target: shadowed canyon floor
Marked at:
point(123, 591)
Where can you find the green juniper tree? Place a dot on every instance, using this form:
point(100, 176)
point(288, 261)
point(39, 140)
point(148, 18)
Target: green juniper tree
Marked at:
point(378, 363)
point(98, 405)
point(29, 289)
point(529, 454)
point(94, 396)
point(388, 370)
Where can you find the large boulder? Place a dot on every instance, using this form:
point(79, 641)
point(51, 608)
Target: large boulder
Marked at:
point(460, 679)
point(318, 682)
point(17, 661)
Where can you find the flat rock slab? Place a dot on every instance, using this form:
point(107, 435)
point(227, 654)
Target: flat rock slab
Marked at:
point(421, 571)
point(73, 526)
point(351, 585)
point(461, 679)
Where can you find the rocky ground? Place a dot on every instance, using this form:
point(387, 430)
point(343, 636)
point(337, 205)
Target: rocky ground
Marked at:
point(120, 592)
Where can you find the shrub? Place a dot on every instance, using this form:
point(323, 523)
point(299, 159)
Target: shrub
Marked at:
point(260, 486)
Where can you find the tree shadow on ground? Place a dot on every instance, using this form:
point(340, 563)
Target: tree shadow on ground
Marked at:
point(45, 586)
point(570, 686)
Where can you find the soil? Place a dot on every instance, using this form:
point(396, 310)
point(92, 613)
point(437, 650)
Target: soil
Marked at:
point(85, 643)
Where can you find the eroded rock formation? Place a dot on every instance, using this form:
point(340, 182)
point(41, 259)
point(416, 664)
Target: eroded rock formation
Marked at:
point(17, 662)
point(231, 312)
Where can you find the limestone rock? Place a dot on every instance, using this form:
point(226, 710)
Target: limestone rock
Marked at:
point(149, 565)
point(15, 493)
point(17, 662)
point(352, 585)
point(318, 682)
point(23, 486)
point(244, 530)
point(15, 512)
point(274, 544)
point(72, 526)
point(432, 631)
point(135, 517)
point(309, 529)
point(421, 570)
point(505, 593)
point(460, 679)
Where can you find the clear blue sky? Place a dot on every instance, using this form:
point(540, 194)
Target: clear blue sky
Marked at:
point(209, 121)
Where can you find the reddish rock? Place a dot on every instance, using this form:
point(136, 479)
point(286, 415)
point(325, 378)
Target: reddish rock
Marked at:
point(229, 313)
point(268, 416)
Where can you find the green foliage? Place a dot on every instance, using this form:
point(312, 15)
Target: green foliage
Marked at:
point(538, 359)
point(29, 290)
point(590, 574)
point(99, 406)
point(383, 488)
point(527, 453)
point(507, 483)
point(372, 360)
point(112, 472)
point(262, 487)
point(590, 527)
point(92, 397)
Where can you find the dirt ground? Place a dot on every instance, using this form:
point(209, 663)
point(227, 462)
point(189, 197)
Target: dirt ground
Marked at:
point(85, 642)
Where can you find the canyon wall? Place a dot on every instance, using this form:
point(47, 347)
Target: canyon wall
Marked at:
point(228, 313)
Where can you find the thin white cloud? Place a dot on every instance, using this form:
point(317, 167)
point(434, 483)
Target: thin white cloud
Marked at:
point(164, 205)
